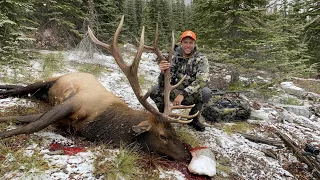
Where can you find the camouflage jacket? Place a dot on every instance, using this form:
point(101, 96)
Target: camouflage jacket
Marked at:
point(196, 67)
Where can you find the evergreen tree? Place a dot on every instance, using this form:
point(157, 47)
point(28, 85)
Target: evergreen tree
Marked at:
point(131, 28)
point(165, 28)
point(284, 51)
point(177, 17)
point(231, 25)
point(108, 13)
point(139, 13)
point(188, 14)
point(158, 12)
point(312, 31)
point(148, 23)
point(60, 22)
point(15, 30)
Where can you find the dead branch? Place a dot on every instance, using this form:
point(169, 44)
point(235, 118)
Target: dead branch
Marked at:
point(263, 140)
point(302, 79)
point(312, 164)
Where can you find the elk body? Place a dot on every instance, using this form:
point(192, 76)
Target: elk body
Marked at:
point(82, 102)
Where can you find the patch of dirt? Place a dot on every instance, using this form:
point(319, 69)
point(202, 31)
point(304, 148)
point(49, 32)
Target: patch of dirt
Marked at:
point(307, 84)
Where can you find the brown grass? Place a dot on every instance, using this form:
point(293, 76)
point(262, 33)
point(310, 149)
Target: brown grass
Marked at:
point(308, 85)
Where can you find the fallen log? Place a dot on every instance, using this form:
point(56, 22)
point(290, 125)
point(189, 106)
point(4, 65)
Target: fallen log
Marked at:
point(263, 140)
point(313, 165)
point(269, 153)
point(302, 79)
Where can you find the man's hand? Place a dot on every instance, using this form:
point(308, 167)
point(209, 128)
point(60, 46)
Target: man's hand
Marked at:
point(164, 65)
point(178, 100)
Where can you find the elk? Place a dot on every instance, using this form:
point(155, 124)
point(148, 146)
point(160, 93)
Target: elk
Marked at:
point(80, 101)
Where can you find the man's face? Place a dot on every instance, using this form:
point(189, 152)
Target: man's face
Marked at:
point(187, 45)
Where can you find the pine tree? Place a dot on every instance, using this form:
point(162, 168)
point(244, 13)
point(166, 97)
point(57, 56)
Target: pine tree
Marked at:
point(158, 12)
point(60, 22)
point(230, 25)
point(131, 28)
point(312, 31)
point(15, 30)
point(108, 13)
point(283, 50)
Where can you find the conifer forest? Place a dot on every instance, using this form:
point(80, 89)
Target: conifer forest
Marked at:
point(274, 35)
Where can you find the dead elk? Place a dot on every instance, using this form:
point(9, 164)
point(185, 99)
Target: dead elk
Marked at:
point(81, 101)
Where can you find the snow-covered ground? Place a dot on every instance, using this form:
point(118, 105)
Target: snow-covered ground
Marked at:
point(241, 158)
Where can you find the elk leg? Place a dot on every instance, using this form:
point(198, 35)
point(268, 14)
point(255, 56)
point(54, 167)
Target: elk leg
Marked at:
point(25, 118)
point(6, 87)
point(38, 90)
point(56, 113)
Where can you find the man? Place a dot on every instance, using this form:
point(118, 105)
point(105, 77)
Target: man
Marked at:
point(193, 90)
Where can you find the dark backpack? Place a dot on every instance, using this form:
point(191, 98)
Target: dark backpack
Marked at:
point(226, 109)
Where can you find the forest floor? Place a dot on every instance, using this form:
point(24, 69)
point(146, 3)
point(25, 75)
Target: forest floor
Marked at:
point(56, 154)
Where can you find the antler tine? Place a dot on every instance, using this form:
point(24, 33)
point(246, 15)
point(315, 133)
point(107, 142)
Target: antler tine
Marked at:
point(131, 71)
point(167, 90)
point(177, 120)
point(167, 115)
point(113, 49)
point(183, 116)
point(95, 40)
point(134, 81)
point(167, 79)
point(156, 45)
point(136, 61)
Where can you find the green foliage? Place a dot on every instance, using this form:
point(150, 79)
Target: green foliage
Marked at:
point(239, 127)
point(255, 37)
point(133, 9)
point(13, 157)
point(283, 51)
point(60, 22)
point(52, 63)
point(124, 165)
point(15, 29)
point(94, 69)
point(281, 38)
point(312, 31)
point(186, 136)
point(230, 26)
point(240, 86)
point(224, 165)
point(290, 101)
point(107, 14)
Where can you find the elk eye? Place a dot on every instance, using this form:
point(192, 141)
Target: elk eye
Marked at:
point(163, 137)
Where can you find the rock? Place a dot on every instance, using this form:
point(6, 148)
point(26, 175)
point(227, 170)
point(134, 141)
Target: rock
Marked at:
point(222, 75)
point(261, 114)
point(290, 88)
point(130, 47)
point(297, 110)
point(311, 96)
point(202, 162)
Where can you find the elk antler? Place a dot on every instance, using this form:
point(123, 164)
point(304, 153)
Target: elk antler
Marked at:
point(168, 107)
point(131, 72)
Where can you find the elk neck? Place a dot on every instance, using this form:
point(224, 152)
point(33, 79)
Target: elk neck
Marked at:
point(115, 124)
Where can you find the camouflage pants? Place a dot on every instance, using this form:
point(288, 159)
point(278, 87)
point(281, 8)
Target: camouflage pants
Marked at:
point(199, 98)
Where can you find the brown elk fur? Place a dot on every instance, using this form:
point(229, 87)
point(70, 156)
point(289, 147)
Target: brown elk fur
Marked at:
point(80, 101)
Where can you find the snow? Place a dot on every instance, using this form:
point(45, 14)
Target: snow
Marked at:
point(202, 162)
point(246, 158)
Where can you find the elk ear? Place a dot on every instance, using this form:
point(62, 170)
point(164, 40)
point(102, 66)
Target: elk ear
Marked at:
point(142, 127)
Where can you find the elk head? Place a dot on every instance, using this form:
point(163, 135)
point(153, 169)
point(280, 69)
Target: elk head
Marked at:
point(154, 133)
